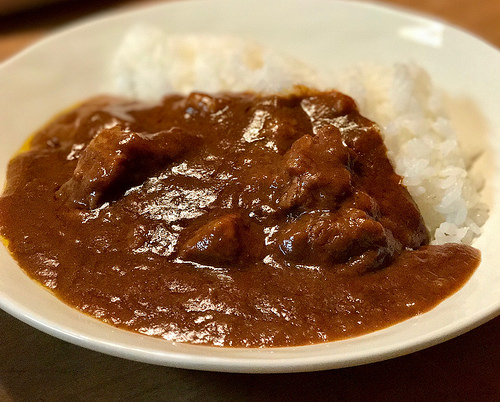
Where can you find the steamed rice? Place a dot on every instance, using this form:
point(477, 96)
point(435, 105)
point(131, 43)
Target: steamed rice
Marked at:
point(421, 144)
point(401, 98)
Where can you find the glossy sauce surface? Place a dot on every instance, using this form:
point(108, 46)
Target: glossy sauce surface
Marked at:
point(231, 220)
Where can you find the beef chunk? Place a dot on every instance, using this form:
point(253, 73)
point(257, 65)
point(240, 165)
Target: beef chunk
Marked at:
point(197, 102)
point(278, 120)
point(325, 108)
point(218, 242)
point(116, 160)
point(318, 170)
point(346, 236)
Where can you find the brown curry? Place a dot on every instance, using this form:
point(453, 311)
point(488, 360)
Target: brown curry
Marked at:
point(231, 220)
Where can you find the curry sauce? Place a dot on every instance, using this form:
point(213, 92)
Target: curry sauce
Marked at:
point(233, 219)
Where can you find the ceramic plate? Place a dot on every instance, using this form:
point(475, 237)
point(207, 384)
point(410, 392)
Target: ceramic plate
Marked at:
point(73, 64)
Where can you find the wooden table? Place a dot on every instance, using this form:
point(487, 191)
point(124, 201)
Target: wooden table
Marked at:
point(37, 367)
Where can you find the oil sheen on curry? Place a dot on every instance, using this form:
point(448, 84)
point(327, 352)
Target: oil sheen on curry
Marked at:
point(233, 219)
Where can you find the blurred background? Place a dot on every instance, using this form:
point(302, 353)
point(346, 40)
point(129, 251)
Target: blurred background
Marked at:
point(24, 21)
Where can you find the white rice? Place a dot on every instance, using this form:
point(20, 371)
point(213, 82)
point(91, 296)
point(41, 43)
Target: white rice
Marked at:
point(149, 64)
point(421, 144)
point(401, 98)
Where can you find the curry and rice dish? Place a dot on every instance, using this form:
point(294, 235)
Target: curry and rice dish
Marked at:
point(232, 219)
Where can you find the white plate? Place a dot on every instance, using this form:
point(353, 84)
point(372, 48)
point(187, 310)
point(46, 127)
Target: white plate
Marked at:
point(72, 65)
